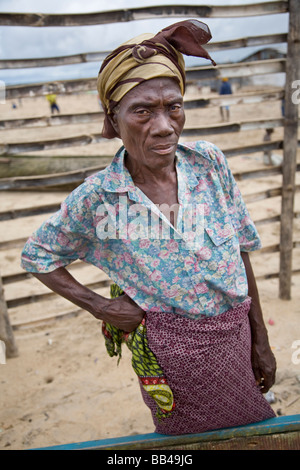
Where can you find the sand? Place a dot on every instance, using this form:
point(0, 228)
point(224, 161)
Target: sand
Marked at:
point(63, 387)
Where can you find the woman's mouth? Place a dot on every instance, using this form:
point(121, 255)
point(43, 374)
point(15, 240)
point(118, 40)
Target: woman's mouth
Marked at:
point(164, 149)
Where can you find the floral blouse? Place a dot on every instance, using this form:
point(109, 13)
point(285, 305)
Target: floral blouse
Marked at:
point(194, 269)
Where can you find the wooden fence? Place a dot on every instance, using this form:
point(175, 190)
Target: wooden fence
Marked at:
point(282, 195)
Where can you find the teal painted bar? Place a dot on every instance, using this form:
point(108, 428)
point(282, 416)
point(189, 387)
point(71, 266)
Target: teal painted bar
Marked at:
point(276, 425)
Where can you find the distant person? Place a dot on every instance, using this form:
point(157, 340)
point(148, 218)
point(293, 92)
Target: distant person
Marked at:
point(269, 158)
point(53, 104)
point(225, 90)
point(283, 107)
point(268, 153)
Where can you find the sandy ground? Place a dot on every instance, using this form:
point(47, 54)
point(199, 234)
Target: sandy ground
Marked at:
point(63, 387)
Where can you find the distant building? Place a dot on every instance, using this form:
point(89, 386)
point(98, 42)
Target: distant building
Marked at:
point(265, 54)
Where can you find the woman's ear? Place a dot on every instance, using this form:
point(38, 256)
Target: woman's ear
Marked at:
point(114, 122)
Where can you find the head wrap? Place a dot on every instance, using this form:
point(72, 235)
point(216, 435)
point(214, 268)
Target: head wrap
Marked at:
point(146, 57)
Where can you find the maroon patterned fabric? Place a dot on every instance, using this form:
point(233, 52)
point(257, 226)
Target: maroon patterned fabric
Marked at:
point(208, 366)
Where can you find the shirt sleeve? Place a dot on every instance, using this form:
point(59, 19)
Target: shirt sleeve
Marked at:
point(247, 233)
point(63, 238)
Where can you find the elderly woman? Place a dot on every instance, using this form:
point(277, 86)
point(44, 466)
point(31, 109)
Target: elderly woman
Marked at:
point(167, 223)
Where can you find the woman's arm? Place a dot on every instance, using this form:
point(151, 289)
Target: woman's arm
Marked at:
point(121, 312)
point(263, 360)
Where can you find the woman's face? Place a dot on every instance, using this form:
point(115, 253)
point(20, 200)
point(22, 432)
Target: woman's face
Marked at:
point(149, 120)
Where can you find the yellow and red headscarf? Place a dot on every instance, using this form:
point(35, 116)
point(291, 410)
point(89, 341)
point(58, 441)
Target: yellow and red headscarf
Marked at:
point(146, 57)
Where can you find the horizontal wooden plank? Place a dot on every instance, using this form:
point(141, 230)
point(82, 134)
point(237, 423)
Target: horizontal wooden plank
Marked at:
point(41, 89)
point(277, 425)
point(266, 216)
point(250, 41)
point(21, 204)
point(46, 311)
point(53, 61)
point(59, 180)
point(14, 200)
point(29, 211)
point(23, 147)
point(14, 148)
point(269, 208)
point(273, 265)
point(21, 285)
point(33, 165)
point(142, 13)
point(41, 297)
point(256, 173)
point(74, 178)
point(21, 201)
point(69, 180)
point(261, 195)
point(15, 232)
point(9, 230)
point(10, 257)
point(55, 120)
point(234, 99)
point(79, 118)
point(31, 290)
point(245, 69)
point(233, 127)
point(263, 210)
point(283, 441)
point(53, 207)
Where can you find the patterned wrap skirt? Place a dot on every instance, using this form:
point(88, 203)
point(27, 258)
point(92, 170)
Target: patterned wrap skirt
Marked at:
point(207, 364)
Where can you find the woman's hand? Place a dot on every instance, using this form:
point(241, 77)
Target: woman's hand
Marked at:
point(121, 312)
point(263, 362)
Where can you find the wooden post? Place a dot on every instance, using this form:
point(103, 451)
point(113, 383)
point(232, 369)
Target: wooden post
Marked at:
point(290, 151)
point(6, 333)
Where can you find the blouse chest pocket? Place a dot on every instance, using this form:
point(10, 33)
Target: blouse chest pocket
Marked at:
point(220, 234)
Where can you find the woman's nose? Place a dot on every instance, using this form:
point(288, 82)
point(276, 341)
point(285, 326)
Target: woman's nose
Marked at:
point(161, 124)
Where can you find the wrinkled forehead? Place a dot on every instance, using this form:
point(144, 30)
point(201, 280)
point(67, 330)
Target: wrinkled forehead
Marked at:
point(149, 91)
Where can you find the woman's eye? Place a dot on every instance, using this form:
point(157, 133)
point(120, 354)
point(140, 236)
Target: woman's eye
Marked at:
point(142, 112)
point(175, 107)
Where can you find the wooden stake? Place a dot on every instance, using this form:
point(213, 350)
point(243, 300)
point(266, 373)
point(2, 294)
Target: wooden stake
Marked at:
point(6, 333)
point(290, 151)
